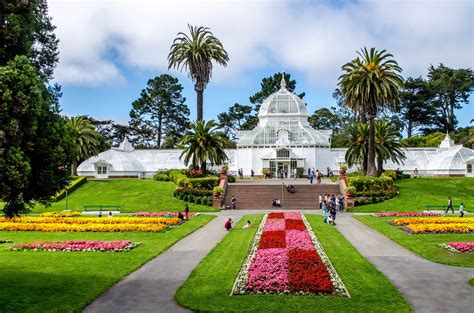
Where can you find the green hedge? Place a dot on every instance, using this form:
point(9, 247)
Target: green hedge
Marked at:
point(369, 183)
point(203, 182)
point(76, 183)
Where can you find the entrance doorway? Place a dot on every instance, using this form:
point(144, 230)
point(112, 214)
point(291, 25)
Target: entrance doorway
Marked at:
point(283, 170)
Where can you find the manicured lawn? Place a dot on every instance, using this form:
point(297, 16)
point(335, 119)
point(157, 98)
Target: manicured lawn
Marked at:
point(425, 245)
point(210, 284)
point(133, 195)
point(68, 281)
point(415, 194)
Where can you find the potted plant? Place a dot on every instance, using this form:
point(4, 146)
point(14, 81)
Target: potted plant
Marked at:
point(218, 191)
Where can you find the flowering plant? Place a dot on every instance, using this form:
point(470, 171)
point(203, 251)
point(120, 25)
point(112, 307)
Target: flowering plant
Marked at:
point(61, 214)
point(394, 214)
point(286, 258)
point(459, 246)
point(160, 214)
point(77, 245)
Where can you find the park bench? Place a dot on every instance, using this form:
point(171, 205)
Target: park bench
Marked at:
point(435, 207)
point(109, 207)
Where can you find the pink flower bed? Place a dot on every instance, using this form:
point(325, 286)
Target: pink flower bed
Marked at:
point(77, 245)
point(285, 259)
point(463, 247)
point(391, 214)
point(160, 214)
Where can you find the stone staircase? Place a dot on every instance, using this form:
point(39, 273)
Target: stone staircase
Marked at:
point(259, 196)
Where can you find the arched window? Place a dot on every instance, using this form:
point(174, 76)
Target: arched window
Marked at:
point(283, 153)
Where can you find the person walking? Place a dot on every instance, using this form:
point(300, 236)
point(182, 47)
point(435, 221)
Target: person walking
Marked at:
point(461, 210)
point(295, 173)
point(450, 206)
point(325, 211)
point(311, 177)
point(309, 172)
point(186, 211)
point(233, 203)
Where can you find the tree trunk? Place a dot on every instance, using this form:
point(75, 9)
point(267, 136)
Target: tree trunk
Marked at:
point(199, 88)
point(74, 168)
point(160, 125)
point(379, 165)
point(409, 128)
point(371, 170)
point(363, 120)
point(203, 167)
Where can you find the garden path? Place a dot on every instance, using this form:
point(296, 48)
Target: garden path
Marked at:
point(427, 286)
point(152, 287)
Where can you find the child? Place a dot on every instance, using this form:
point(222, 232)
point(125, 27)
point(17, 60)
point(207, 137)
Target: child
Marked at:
point(228, 224)
point(461, 210)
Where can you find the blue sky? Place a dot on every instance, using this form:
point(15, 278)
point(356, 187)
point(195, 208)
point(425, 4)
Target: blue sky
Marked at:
point(109, 49)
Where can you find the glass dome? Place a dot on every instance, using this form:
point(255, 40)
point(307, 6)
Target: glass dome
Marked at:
point(283, 121)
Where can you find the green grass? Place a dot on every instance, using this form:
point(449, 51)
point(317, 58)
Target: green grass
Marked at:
point(133, 195)
point(425, 245)
point(68, 281)
point(210, 284)
point(415, 194)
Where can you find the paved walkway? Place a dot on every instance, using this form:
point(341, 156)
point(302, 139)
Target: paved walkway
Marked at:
point(152, 287)
point(427, 286)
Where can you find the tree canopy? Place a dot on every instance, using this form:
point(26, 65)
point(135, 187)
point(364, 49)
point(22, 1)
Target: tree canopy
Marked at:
point(160, 113)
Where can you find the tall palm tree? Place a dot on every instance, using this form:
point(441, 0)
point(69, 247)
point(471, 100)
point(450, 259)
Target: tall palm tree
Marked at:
point(203, 143)
point(387, 144)
point(85, 139)
point(195, 54)
point(371, 81)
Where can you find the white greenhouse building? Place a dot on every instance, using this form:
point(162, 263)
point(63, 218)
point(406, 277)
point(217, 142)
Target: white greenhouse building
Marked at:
point(282, 141)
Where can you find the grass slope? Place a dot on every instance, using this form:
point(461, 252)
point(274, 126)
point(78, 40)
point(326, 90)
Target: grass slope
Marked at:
point(68, 281)
point(210, 284)
point(425, 245)
point(415, 194)
point(133, 195)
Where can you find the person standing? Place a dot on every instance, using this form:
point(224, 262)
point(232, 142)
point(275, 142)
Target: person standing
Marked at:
point(233, 203)
point(318, 177)
point(295, 173)
point(311, 176)
point(461, 210)
point(333, 213)
point(321, 202)
point(309, 172)
point(450, 206)
point(186, 211)
point(252, 173)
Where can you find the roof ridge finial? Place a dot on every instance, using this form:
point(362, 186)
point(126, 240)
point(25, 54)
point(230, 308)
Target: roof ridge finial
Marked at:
point(283, 82)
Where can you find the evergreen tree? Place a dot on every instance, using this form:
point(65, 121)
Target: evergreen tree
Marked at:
point(35, 145)
point(159, 113)
point(235, 119)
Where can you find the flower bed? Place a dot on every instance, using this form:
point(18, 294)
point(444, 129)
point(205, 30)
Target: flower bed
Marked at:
point(77, 245)
point(161, 214)
point(460, 247)
point(428, 220)
point(71, 224)
point(439, 228)
point(61, 214)
point(286, 258)
point(408, 214)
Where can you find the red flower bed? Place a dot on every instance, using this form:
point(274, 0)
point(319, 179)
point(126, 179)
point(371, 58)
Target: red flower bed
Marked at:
point(294, 225)
point(307, 272)
point(273, 239)
point(276, 215)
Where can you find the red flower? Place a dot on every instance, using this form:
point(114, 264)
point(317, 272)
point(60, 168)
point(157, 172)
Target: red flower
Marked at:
point(294, 224)
point(308, 272)
point(273, 239)
point(276, 215)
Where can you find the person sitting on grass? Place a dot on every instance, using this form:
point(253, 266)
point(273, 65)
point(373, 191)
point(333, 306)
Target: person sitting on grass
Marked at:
point(248, 224)
point(228, 224)
point(180, 216)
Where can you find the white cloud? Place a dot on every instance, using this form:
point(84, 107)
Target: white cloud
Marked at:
point(314, 39)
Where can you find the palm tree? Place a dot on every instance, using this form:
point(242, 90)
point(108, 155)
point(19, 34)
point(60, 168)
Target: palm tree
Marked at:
point(85, 139)
point(371, 81)
point(203, 143)
point(387, 144)
point(357, 151)
point(195, 54)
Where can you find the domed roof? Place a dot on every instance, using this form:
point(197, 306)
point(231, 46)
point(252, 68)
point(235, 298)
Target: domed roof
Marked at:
point(120, 161)
point(452, 159)
point(282, 102)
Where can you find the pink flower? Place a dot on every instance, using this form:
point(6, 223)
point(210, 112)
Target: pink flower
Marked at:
point(268, 271)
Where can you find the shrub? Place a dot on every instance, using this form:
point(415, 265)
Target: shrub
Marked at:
point(231, 179)
point(192, 192)
point(224, 169)
point(351, 190)
point(343, 167)
point(391, 173)
point(267, 172)
point(76, 183)
point(203, 182)
point(218, 190)
point(369, 183)
point(194, 173)
point(161, 176)
point(198, 200)
point(300, 171)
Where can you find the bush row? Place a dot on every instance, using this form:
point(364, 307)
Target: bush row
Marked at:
point(197, 200)
point(76, 183)
point(369, 183)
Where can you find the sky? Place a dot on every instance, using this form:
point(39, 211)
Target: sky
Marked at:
point(109, 49)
